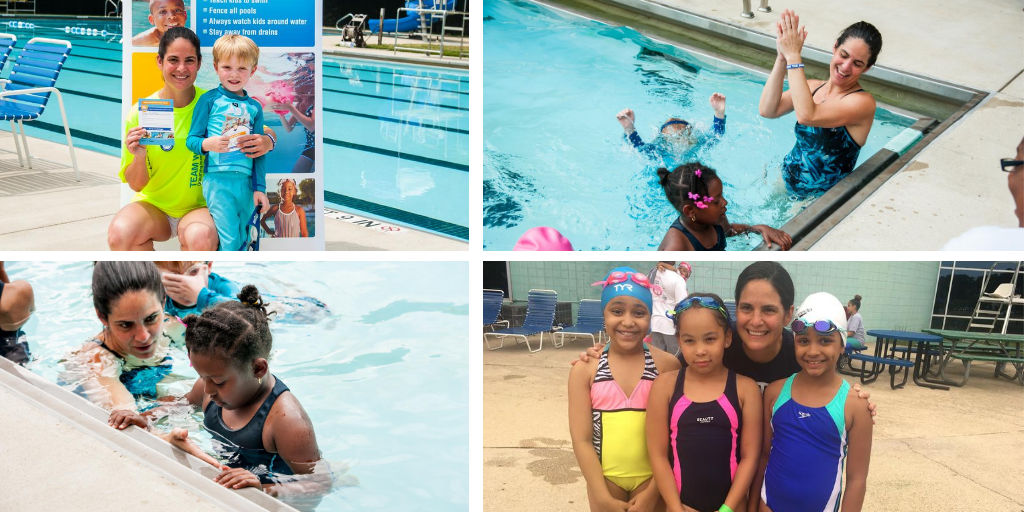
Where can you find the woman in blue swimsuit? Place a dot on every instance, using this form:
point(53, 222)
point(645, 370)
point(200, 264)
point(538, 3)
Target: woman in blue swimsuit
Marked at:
point(833, 117)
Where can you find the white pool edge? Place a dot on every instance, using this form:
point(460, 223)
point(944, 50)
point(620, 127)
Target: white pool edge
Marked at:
point(146, 449)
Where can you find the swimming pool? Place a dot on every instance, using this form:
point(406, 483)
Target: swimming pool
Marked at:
point(383, 375)
point(90, 81)
point(396, 143)
point(554, 153)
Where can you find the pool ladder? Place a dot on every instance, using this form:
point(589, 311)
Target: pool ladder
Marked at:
point(112, 8)
point(747, 13)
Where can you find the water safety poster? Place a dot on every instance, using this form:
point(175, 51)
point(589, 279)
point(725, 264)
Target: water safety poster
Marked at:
point(287, 83)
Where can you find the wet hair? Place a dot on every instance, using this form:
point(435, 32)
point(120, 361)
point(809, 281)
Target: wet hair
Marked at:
point(868, 33)
point(725, 321)
point(682, 181)
point(856, 301)
point(178, 267)
point(174, 33)
point(236, 331)
point(775, 274)
point(112, 279)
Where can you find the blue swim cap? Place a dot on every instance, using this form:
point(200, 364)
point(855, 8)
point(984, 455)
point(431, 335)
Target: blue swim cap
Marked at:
point(617, 287)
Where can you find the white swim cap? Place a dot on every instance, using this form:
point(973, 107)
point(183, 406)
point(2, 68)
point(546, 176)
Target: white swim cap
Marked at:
point(823, 306)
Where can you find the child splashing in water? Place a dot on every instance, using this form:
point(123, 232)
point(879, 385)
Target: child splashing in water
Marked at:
point(704, 421)
point(677, 140)
point(812, 426)
point(695, 190)
point(608, 398)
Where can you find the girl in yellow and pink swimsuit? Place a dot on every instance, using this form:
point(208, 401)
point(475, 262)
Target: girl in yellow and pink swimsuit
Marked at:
point(608, 398)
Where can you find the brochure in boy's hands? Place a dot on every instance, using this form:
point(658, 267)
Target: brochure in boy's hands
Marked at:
point(157, 117)
point(234, 127)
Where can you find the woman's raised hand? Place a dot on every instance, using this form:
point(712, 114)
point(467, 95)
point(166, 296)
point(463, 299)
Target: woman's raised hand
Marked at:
point(131, 141)
point(790, 36)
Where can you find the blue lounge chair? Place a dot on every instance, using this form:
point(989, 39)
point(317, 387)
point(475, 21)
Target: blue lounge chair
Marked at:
point(589, 320)
point(540, 315)
point(492, 308)
point(28, 88)
point(7, 43)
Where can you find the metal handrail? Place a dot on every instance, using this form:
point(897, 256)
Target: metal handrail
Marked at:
point(747, 13)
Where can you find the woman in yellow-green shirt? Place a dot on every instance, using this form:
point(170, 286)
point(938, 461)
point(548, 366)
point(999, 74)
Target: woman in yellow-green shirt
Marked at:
point(168, 182)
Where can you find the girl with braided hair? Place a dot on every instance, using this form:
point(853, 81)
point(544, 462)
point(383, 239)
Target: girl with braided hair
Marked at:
point(695, 190)
point(258, 425)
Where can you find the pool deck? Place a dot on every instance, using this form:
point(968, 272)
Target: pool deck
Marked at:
point(977, 44)
point(332, 46)
point(956, 450)
point(45, 209)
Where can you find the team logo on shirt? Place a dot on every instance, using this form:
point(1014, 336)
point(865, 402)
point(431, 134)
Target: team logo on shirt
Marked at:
point(709, 419)
point(803, 414)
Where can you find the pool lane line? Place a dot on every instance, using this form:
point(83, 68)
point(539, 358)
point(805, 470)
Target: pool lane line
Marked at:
point(395, 154)
point(346, 79)
point(400, 100)
point(412, 219)
point(88, 95)
point(399, 121)
point(455, 79)
point(459, 77)
point(76, 133)
point(90, 72)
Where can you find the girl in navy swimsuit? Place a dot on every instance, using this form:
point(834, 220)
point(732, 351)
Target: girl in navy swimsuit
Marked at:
point(695, 190)
point(704, 421)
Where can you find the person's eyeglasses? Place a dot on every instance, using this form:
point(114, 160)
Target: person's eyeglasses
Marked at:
point(1009, 165)
point(704, 302)
point(823, 327)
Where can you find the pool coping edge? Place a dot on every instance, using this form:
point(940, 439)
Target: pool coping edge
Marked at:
point(161, 457)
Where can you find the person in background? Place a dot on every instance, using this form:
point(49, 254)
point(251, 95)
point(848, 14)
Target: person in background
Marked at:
point(17, 302)
point(672, 285)
point(998, 238)
point(855, 324)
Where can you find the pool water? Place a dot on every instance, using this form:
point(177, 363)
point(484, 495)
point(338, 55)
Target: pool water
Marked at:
point(554, 153)
point(382, 371)
point(90, 82)
point(396, 143)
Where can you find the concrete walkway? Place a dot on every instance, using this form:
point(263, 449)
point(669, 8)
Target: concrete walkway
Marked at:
point(45, 209)
point(956, 451)
point(955, 183)
point(334, 45)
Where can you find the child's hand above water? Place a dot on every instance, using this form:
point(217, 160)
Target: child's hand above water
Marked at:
point(183, 289)
point(179, 437)
point(121, 418)
point(237, 478)
point(718, 103)
point(626, 118)
point(216, 144)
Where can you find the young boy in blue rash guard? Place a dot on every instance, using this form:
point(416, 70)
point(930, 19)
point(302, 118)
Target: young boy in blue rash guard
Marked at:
point(192, 287)
point(232, 183)
point(677, 141)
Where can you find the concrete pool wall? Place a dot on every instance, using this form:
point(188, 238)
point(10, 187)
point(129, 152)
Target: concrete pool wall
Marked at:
point(61, 454)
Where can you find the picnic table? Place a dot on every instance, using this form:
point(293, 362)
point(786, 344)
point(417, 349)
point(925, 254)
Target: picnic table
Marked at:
point(968, 347)
point(886, 355)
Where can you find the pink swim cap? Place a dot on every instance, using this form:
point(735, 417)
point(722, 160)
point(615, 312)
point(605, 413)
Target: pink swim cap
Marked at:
point(542, 239)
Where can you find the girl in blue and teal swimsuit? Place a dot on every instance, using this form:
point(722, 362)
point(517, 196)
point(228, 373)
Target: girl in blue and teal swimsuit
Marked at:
point(812, 427)
point(704, 421)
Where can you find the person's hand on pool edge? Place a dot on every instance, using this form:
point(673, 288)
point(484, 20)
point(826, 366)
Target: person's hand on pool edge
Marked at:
point(772, 235)
point(179, 438)
point(627, 118)
point(122, 418)
point(237, 478)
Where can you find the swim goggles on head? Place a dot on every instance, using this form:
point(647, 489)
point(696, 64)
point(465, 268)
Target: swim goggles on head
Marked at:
point(621, 277)
point(670, 123)
point(823, 327)
point(704, 302)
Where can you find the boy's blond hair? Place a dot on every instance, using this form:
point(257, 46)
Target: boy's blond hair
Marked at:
point(177, 267)
point(236, 45)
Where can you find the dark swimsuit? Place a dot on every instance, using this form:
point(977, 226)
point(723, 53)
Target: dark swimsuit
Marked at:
point(13, 344)
point(704, 448)
point(243, 448)
point(697, 246)
point(820, 158)
point(141, 381)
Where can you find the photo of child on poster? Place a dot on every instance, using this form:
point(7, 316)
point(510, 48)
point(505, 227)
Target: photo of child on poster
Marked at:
point(151, 18)
point(291, 208)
